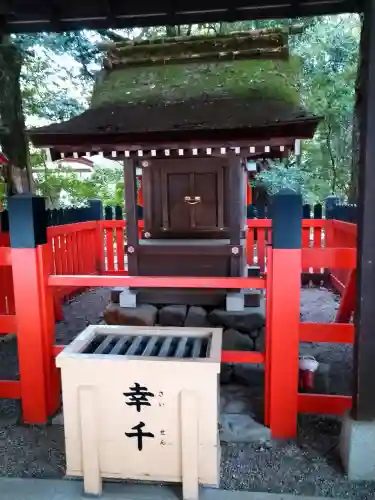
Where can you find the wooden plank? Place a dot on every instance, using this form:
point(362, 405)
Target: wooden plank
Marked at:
point(110, 250)
point(189, 422)
point(131, 214)
point(155, 282)
point(364, 344)
point(10, 389)
point(323, 404)
point(235, 208)
point(259, 223)
point(250, 357)
point(5, 256)
point(330, 332)
point(261, 248)
point(70, 228)
point(340, 258)
point(92, 481)
point(8, 323)
point(120, 249)
point(347, 302)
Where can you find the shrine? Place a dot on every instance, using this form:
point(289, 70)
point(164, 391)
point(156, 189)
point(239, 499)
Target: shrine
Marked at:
point(83, 257)
point(192, 127)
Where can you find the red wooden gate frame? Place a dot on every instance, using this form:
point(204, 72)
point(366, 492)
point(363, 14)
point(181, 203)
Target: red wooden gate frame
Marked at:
point(78, 249)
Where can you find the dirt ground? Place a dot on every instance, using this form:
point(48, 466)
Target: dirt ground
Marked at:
point(308, 465)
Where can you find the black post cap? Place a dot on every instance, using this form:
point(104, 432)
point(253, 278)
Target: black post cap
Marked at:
point(4, 222)
point(118, 212)
point(28, 219)
point(330, 203)
point(95, 209)
point(286, 213)
point(108, 213)
point(318, 211)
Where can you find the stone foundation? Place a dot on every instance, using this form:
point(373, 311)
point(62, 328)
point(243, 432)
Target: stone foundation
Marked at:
point(243, 330)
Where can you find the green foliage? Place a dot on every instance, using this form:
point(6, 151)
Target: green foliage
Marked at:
point(59, 70)
point(329, 49)
point(267, 79)
point(64, 187)
point(280, 176)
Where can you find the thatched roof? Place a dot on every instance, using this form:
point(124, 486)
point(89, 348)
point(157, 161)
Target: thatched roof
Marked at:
point(241, 94)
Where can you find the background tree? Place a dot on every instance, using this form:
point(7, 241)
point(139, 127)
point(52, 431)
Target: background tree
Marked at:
point(54, 75)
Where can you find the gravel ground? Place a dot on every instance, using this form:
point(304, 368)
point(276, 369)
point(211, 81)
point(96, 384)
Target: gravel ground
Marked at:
point(308, 465)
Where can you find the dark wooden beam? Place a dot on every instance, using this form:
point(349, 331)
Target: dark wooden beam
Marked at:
point(32, 16)
point(303, 129)
point(130, 190)
point(364, 345)
point(235, 211)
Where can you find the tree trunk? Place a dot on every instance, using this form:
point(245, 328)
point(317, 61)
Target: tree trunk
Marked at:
point(357, 117)
point(12, 122)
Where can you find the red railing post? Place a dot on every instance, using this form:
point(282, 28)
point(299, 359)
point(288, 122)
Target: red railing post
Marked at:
point(34, 310)
point(283, 314)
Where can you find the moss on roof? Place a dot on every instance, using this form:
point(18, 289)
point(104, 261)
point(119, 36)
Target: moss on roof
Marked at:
point(252, 79)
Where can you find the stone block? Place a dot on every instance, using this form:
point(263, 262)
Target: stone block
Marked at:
point(248, 320)
point(253, 271)
point(58, 419)
point(128, 298)
point(110, 314)
point(252, 298)
point(143, 315)
point(115, 294)
point(173, 315)
point(233, 340)
point(235, 302)
point(196, 317)
point(241, 428)
point(357, 449)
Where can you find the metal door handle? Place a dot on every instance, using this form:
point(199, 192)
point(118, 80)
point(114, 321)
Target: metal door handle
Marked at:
point(192, 201)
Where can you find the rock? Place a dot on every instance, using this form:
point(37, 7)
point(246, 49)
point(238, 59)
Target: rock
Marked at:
point(110, 314)
point(226, 373)
point(143, 315)
point(236, 341)
point(250, 375)
point(239, 428)
point(322, 379)
point(58, 419)
point(252, 298)
point(173, 315)
point(115, 294)
point(196, 317)
point(248, 320)
point(236, 399)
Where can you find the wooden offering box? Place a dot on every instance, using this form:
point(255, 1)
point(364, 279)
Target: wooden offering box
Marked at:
point(142, 403)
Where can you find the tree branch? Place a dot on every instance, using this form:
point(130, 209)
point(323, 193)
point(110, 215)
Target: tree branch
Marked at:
point(114, 37)
point(332, 158)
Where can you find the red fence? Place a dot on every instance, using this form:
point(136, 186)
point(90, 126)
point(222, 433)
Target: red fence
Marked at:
point(259, 235)
point(92, 254)
point(7, 309)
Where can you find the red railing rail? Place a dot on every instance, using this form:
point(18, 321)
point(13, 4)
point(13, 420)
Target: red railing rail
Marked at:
point(341, 235)
point(7, 309)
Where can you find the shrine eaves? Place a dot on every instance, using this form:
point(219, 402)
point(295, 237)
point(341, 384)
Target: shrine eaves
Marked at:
point(28, 16)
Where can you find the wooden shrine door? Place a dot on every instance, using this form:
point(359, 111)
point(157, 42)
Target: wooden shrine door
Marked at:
point(186, 198)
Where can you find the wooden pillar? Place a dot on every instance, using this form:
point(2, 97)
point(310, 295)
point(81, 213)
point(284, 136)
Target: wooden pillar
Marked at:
point(131, 215)
point(236, 212)
point(283, 314)
point(364, 344)
point(34, 308)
